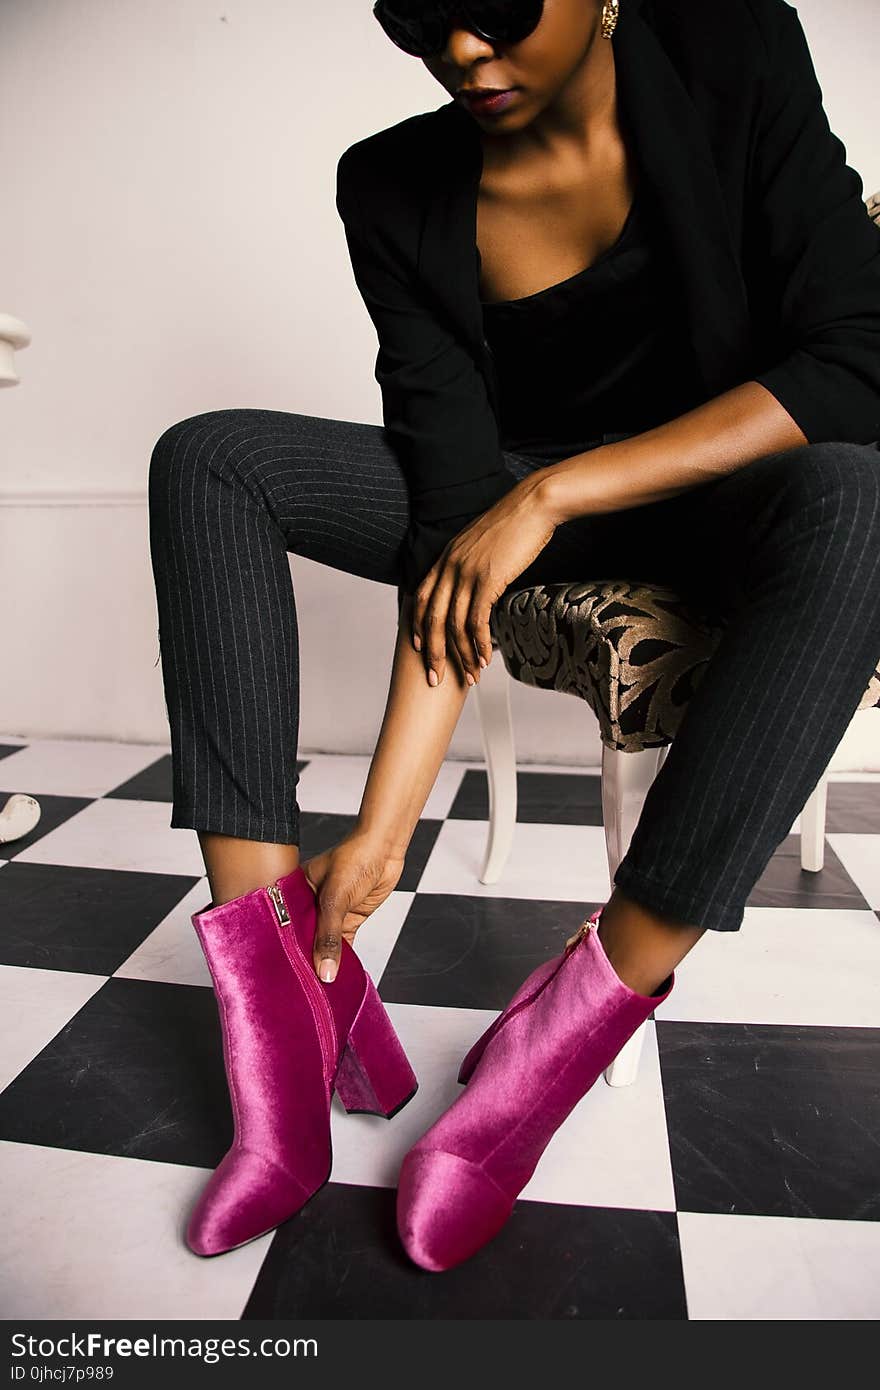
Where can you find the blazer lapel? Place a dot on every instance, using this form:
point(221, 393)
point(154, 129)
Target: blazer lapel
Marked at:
point(674, 159)
point(448, 253)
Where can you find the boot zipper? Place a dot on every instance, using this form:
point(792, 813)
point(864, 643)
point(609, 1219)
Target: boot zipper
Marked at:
point(587, 925)
point(321, 1011)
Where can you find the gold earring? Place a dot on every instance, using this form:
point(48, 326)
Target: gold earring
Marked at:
point(609, 17)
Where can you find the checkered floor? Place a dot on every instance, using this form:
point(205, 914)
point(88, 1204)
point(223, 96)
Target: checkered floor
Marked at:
point(737, 1179)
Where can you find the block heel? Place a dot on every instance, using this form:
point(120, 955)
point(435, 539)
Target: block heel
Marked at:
point(374, 1075)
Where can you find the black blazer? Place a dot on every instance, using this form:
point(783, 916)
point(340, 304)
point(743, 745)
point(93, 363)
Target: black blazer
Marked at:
point(777, 258)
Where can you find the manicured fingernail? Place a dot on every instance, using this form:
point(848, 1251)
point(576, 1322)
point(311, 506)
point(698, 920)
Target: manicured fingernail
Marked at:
point(469, 678)
point(483, 661)
point(417, 642)
point(327, 971)
point(432, 677)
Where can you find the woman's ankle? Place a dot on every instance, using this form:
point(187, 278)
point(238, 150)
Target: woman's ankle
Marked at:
point(235, 866)
point(642, 947)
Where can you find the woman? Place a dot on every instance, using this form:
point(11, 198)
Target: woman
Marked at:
point(628, 318)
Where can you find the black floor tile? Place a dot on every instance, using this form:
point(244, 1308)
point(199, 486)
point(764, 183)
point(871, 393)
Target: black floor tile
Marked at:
point(418, 852)
point(545, 798)
point(152, 783)
point(785, 884)
point(137, 1072)
point(852, 808)
point(472, 953)
point(64, 917)
point(341, 1257)
point(773, 1121)
point(54, 811)
point(321, 830)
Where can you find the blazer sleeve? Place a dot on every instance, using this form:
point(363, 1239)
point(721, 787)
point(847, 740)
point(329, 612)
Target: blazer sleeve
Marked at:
point(822, 249)
point(435, 406)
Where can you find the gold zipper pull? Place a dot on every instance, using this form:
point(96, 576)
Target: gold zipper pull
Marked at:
point(280, 905)
point(586, 926)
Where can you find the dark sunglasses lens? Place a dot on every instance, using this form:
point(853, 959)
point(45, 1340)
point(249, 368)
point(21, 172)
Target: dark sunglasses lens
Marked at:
point(421, 27)
point(507, 21)
point(416, 26)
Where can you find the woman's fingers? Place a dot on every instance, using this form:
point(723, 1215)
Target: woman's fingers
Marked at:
point(433, 626)
point(435, 643)
point(481, 633)
point(327, 948)
point(460, 628)
point(450, 615)
point(420, 600)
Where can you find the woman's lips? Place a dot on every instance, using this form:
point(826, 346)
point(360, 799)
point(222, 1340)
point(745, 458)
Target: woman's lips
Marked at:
point(491, 101)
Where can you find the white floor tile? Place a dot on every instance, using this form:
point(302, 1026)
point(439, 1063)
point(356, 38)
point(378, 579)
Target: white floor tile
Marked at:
point(747, 1268)
point(612, 1150)
point(377, 938)
point(369, 1150)
point(34, 1006)
point(112, 834)
point(77, 767)
point(93, 1236)
point(858, 855)
point(172, 952)
point(563, 862)
point(785, 965)
point(335, 784)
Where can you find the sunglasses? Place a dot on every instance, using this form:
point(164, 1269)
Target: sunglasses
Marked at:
point(421, 27)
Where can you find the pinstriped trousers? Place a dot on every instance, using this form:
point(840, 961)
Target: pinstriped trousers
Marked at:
point(786, 550)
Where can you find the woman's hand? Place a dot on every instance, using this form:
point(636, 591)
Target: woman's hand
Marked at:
point(452, 605)
point(350, 881)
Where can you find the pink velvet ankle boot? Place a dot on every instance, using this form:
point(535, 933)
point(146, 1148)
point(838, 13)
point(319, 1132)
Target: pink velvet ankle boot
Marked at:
point(288, 1041)
point(565, 1024)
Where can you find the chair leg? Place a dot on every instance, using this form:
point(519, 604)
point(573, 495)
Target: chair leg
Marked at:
point(813, 827)
point(625, 1067)
point(626, 780)
point(496, 730)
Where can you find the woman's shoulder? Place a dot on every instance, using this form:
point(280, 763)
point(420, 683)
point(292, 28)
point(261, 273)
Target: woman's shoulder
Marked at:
point(396, 149)
point(390, 175)
point(720, 15)
point(705, 28)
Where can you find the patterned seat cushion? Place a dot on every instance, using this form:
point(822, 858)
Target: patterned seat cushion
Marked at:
point(635, 652)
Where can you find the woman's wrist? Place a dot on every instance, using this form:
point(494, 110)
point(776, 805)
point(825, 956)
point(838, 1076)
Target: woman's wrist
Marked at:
point(382, 839)
point(559, 489)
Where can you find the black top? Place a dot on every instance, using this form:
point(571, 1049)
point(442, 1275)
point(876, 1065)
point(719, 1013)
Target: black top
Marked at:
point(768, 236)
point(604, 351)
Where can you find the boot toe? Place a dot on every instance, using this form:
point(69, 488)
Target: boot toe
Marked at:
point(447, 1208)
point(245, 1197)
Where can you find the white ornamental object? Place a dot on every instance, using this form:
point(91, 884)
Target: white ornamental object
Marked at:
point(13, 334)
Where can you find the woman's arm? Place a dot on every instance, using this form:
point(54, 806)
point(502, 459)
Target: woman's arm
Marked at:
point(353, 878)
point(716, 437)
point(419, 722)
point(435, 407)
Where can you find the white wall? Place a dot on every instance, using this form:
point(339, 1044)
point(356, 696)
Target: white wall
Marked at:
point(169, 235)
